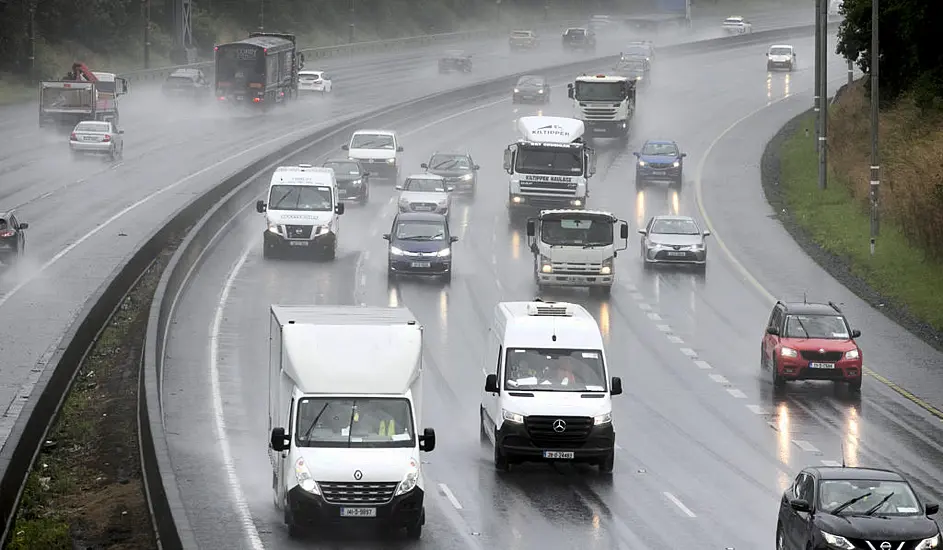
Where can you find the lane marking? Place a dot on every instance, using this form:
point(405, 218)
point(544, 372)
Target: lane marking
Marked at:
point(738, 266)
point(448, 494)
point(237, 495)
point(701, 364)
point(631, 287)
point(663, 328)
point(689, 352)
point(756, 409)
point(644, 307)
point(687, 511)
point(654, 317)
point(805, 446)
point(719, 378)
point(832, 463)
point(736, 393)
point(674, 339)
point(637, 296)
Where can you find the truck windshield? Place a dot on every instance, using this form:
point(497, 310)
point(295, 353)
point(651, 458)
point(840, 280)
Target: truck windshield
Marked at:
point(574, 370)
point(348, 422)
point(300, 197)
point(600, 91)
point(238, 64)
point(547, 160)
point(576, 232)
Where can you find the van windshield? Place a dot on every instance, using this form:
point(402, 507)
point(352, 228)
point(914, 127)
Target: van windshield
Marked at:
point(574, 370)
point(347, 422)
point(300, 197)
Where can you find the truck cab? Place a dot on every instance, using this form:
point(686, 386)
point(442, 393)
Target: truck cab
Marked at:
point(547, 394)
point(605, 104)
point(550, 165)
point(575, 248)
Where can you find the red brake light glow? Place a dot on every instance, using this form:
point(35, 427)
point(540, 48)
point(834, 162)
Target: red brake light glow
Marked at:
point(257, 99)
point(7, 233)
point(72, 136)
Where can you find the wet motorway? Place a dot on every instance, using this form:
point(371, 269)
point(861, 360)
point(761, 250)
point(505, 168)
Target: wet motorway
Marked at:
point(87, 217)
point(705, 449)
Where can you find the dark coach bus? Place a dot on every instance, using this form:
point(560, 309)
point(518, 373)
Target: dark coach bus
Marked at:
point(262, 70)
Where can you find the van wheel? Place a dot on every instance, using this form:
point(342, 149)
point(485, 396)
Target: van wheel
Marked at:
point(267, 252)
point(331, 252)
point(447, 278)
point(501, 462)
point(608, 463)
point(414, 531)
point(482, 434)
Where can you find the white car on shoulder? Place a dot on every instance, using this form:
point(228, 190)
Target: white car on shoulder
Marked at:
point(737, 25)
point(314, 81)
point(377, 151)
point(780, 56)
point(425, 193)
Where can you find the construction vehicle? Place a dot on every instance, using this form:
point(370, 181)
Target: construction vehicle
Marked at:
point(605, 104)
point(80, 95)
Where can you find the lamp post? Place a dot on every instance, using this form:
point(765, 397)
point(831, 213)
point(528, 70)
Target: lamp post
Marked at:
point(818, 85)
point(350, 28)
point(822, 74)
point(146, 4)
point(875, 159)
point(32, 42)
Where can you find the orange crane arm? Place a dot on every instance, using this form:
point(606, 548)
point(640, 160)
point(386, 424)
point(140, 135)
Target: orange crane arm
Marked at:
point(79, 68)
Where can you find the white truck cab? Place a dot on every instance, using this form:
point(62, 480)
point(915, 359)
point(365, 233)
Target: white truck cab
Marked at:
point(345, 391)
point(548, 392)
point(575, 248)
point(302, 211)
point(378, 152)
point(605, 104)
point(550, 165)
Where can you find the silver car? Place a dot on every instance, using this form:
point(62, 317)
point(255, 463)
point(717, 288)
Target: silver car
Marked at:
point(673, 240)
point(425, 193)
point(93, 137)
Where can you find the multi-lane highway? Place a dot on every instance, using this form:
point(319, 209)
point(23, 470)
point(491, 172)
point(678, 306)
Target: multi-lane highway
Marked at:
point(705, 447)
point(87, 217)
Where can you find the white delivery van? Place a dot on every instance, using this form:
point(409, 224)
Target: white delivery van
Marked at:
point(302, 210)
point(345, 392)
point(547, 394)
point(378, 152)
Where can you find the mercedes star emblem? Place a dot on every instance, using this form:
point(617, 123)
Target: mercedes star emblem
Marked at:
point(358, 475)
point(559, 425)
point(885, 545)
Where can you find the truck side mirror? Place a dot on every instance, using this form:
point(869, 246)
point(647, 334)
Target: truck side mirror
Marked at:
point(569, 91)
point(399, 149)
point(508, 160)
point(475, 167)
point(772, 330)
point(427, 440)
point(339, 208)
point(280, 442)
point(301, 61)
point(616, 386)
point(424, 165)
point(491, 383)
point(624, 231)
point(531, 228)
point(260, 206)
point(345, 147)
point(453, 239)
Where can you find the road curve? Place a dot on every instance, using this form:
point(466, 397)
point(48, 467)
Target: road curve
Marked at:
point(675, 337)
point(88, 217)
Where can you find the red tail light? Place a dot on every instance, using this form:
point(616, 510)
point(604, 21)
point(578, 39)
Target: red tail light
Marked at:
point(106, 138)
point(257, 99)
point(222, 98)
point(7, 233)
point(72, 136)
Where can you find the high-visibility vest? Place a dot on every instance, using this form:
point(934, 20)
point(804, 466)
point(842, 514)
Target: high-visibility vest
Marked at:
point(388, 429)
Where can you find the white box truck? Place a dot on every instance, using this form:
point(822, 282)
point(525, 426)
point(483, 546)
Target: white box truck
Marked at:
point(345, 391)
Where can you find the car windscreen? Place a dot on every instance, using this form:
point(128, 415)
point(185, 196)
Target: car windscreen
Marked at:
point(600, 91)
point(342, 169)
point(424, 185)
point(536, 160)
point(855, 497)
point(367, 422)
point(829, 327)
point(576, 33)
point(419, 230)
point(520, 34)
point(674, 227)
point(98, 127)
point(576, 232)
point(531, 369)
point(449, 162)
point(371, 141)
point(660, 149)
point(309, 77)
point(780, 51)
point(530, 82)
point(300, 197)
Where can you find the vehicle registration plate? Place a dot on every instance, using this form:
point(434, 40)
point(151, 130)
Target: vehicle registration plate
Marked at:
point(599, 129)
point(423, 208)
point(676, 253)
point(558, 454)
point(298, 243)
point(821, 365)
point(420, 264)
point(658, 173)
point(358, 512)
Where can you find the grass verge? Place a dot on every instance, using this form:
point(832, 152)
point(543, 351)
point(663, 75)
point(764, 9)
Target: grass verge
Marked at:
point(86, 488)
point(833, 227)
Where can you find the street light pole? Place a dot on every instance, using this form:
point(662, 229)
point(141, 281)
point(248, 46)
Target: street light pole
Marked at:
point(818, 85)
point(32, 42)
point(350, 30)
point(823, 94)
point(875, 159)
point(147, 33)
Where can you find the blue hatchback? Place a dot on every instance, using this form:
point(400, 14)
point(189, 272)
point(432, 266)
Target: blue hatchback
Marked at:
point(659, 160)
point(420, 244)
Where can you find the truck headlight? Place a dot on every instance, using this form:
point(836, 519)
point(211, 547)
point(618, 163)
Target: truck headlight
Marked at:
point(928, 544)
point(303, 475)
point(410, 480)
point(512, 417)
point(606, 266)
point(443, 202)
point(545, 265)
point(601, 419)
point(836, 541)
point(396, 251)
point(788, 352)
point(391, 161)
point(854, 354)
point(516, 91)
point(540, 91)
point(576, 202)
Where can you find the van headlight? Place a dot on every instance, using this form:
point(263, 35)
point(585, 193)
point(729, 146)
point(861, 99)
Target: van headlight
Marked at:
point(274, 228)
point(789, 352)
point(928, 544)
point(836, 541)
point(512, 417)
point(356, 182)
point(854, 354)
point(444, 252)
point(396, 251)
point(391, 161)
point(305, 481)
point(410, 480)
point(606, 267)
point(676, 164)
point(467, 177)
point(601, 419)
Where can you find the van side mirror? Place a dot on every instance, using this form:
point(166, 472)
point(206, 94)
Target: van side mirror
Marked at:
point(424, 165)
point(260, 206)
point(475, 167)
point(386, 236)
point(642, 232)
point(624, 231)
point(280, 442)
point(23, 225)
point(491, 383)
point(453, 239)
point(427, 440)
point(772, 330)
point(616, 386)
point(800, 505)
point(345, 147)
point(398, 188)
point(531, 228)
point(931, 509)
point(635, 154)
point(339, 208)
point(683, 155)
point(399, 149)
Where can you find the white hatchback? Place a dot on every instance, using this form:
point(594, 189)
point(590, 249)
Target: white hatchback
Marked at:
point(314, 81)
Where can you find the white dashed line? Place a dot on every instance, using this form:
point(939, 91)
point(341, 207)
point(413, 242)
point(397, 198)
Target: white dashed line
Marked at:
point(756, 409)
point(644, 307)
point(833, 463)
point(689, 352)
point(637, 296)
point(674, 339)
point(448, 494)
point(719, 378)
point(736, 393)
point(631, 287)
point(654, 316)
point(687, 511)
point(701, 364)
point(663, 328)
point(805, 446)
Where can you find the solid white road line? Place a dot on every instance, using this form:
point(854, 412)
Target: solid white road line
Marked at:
point(756, 409)
point(702, 364)
point(805, 446)
point(687, 511)
point(644, 307)
point(448, 494)
point(736, 393)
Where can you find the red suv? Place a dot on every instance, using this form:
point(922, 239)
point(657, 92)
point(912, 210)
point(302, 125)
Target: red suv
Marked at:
point(811, 342)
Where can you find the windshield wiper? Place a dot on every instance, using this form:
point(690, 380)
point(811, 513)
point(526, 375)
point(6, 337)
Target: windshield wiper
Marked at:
point(879, 504)
point(315, 421)
point(350, 424)
point(445, 165)
point(802, 326)
point(595, 243)
point(844, 505)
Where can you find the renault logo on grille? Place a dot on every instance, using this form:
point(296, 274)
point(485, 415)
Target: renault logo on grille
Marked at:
point(358, 475)
point(559, 425)
point(885, 545)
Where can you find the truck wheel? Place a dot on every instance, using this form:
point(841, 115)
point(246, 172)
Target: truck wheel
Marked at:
point(607, 463)
point(414, 531)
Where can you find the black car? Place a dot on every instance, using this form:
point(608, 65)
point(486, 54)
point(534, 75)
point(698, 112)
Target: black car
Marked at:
point(659, 160)
point(455, 60)
point(579, 38)
point(642, 49)
point(458, 169)
point(353, 182)
point(531, 88)
point(12, 237)
point(420, 244)
point(189, 83)
point(829, 508)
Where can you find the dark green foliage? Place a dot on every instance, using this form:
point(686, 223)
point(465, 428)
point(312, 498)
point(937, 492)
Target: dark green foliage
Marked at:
point(910, 52)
